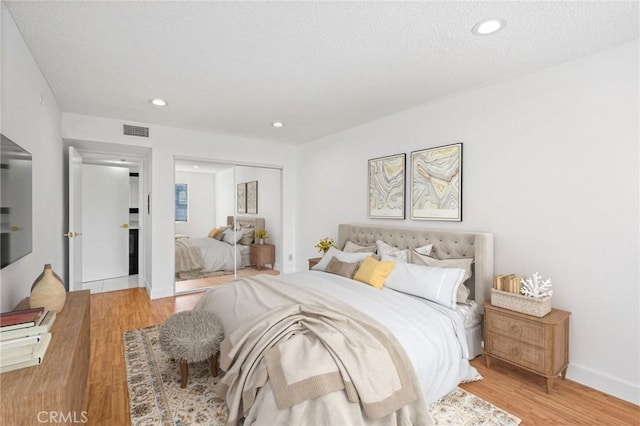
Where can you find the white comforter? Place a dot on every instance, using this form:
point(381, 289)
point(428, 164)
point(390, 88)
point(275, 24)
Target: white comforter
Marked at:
point(432, 336)
point(218, 255)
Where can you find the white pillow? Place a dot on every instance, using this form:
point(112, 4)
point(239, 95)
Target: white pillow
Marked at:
point(351, 247)
point(385, 249)
point(230, 236)
point(424, 250)
point(340, 255)
point(440, 285)
point(464, 263)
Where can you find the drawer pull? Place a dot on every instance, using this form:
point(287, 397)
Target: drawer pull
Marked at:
point(515, 329)
point(514, 351)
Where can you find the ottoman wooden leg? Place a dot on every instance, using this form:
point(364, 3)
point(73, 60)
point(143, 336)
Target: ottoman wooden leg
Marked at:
point(214, 364)
point(184, 373)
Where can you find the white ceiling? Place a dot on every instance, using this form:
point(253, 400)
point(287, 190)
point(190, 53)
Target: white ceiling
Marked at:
point(319, 67)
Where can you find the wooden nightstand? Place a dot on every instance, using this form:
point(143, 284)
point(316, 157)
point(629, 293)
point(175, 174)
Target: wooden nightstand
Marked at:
point(540, 345)
point(313, 261)
point(261, 254)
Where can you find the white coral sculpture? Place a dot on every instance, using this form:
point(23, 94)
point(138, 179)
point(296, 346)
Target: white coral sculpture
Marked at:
point(534, 286)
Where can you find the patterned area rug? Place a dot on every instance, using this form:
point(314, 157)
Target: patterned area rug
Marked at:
point(155, 396)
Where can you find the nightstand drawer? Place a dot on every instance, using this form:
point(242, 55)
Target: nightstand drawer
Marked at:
point(261, 254)
point(539, 344)
point(516, 328)
point(525, 355)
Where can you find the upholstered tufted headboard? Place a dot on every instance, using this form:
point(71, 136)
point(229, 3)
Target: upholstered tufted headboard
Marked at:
point(247, 221)
point(446, 245)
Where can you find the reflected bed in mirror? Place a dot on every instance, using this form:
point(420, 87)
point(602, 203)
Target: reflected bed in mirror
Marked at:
point(15, 205)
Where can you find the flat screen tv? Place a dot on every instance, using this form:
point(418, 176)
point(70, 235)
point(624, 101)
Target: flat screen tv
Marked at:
point(15, 202)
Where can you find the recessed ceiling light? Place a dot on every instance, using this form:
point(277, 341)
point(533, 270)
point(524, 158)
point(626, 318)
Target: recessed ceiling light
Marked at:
point(195, 167)
point(488, 26)
point(158, 102)
point(277, 124)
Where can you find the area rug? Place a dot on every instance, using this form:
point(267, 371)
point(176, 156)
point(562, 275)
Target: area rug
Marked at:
point(195, 275)
point(155, 396)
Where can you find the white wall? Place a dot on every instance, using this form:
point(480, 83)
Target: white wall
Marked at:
point(226, 196)
point(167, 143)
point(269, 201)
point(550, 168)
point(201, 193)
point(31, 118)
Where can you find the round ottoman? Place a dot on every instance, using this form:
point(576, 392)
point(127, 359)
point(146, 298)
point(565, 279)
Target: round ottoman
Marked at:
point(192, 336)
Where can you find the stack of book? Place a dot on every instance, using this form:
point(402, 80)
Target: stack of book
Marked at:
point(24, 337)
point(509, 283)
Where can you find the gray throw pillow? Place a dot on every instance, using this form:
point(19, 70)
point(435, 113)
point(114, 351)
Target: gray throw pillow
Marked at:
point(339, 267)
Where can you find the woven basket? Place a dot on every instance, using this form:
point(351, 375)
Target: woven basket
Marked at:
point(526, 305)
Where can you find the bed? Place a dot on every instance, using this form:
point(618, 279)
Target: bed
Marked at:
point(446, 245)
point(437, 341)
point(208, 254)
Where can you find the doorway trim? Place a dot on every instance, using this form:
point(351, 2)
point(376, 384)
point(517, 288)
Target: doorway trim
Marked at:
point(103, 153)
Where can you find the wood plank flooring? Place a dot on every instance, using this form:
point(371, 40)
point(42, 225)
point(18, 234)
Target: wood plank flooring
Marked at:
point(200, 283)
point(514, 390)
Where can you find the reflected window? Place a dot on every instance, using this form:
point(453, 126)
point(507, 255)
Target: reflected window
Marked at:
point(182, 202)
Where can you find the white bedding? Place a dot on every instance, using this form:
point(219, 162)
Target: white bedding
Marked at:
point(244, 252)
point(470, 314)
point(432, 336)
point(218, 255)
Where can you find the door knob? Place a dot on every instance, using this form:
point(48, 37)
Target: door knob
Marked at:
point(124, 225)
point(70, 234)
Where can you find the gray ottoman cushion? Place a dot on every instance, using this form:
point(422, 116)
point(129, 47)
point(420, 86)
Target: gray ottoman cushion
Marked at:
point(192, 336)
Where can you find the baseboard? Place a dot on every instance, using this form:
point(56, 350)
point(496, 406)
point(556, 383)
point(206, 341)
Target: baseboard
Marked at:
point(158, 293)
point(155, 293)
point(607, 384)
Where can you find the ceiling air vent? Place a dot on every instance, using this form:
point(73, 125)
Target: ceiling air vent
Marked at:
point(130, 130)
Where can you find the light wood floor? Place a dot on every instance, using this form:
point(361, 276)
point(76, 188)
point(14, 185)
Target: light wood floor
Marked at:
point(200, 283)
point(516, 391)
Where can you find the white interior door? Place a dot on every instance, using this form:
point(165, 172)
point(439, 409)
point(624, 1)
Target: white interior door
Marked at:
point(105, 217)
point(74, 232)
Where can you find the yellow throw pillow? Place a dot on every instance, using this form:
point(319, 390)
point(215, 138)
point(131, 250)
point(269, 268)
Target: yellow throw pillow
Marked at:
point(374, 272)
point(214, 231)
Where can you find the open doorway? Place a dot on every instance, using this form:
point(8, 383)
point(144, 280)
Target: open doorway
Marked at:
point(222, 210)
point(106, 227)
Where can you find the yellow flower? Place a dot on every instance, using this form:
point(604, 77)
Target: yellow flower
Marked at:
point(262, 234)
point(324, 244)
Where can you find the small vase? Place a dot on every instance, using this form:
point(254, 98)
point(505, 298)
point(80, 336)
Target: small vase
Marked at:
point(261, 241)
point(48, 291)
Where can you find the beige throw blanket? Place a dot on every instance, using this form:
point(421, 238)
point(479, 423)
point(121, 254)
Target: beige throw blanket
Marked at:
point(188, 256)
point(307, 351)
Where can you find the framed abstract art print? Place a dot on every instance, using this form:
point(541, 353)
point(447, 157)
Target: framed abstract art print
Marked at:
point(387, 187)
point(241, 193)
point(436, 183)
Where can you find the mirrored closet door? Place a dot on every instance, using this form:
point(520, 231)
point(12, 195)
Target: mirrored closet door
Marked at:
point(228, 222)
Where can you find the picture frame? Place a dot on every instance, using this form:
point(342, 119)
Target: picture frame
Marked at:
point(436, 183)
point(386, 185)
point(241, 193)
point(252, 197)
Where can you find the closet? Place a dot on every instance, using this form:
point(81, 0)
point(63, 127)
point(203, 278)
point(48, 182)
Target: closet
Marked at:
point(210, 195)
